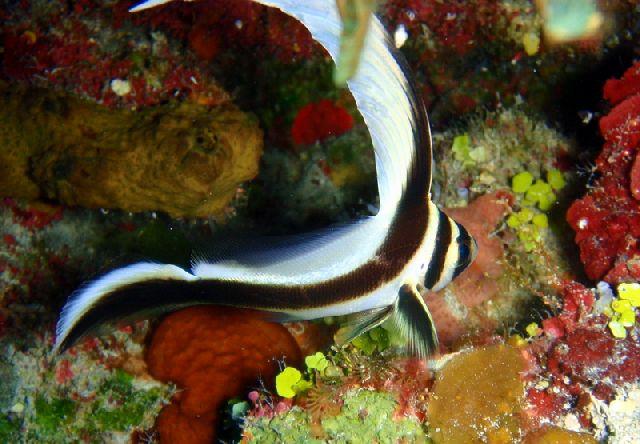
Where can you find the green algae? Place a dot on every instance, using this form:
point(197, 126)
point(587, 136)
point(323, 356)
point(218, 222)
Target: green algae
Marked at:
point(306, 81)
point(365, 417)
point(8, 430)
point(368, 417)
point(122, 406)
point(376, 339)
point(53, 413)
point(119, 405)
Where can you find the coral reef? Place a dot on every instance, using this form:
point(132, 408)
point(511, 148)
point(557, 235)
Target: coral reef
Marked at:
point(530, 354)
point(606, 220)
point(212, 354)
point(456, 309)
point(326, 182)
point(352, 395)
point(234, 25)
point(485, 153)
point(576, 365)
point(186, 160)
point(483, 53)
point(93, 50)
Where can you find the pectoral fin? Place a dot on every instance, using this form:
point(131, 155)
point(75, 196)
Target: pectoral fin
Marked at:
point(361, 323)
point(412, 319)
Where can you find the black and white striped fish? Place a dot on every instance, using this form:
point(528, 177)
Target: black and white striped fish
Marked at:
point(376, 267)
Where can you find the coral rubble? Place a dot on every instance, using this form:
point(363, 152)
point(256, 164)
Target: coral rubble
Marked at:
point(365, 416)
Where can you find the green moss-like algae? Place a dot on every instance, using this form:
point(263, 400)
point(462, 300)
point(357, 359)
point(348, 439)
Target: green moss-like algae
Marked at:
point(366, 417)
point(8, 430)
point(119, 406)
point(123, 407)
point(53, 413)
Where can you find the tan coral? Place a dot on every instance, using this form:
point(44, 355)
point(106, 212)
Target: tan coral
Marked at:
point(478, 396)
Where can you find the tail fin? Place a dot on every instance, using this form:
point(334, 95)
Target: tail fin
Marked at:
point(96, 303)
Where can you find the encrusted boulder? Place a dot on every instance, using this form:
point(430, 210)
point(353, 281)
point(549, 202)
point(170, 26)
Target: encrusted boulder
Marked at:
point(183, 159)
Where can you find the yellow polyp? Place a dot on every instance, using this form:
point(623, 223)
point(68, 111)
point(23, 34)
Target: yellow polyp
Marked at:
point(514, 221)
point(617, 329)
point(621, 305)
point(540, 221)
point(31, 36)
point(627, 318)
point(521, 182)
point(630, 292)
point(533, 329)
point(608, 312)
point(517, 341)
point(526, 214)
point(556, 179)
point(546, 201)
point(531, 43)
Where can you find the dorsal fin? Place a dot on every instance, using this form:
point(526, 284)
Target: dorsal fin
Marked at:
point(387, 99)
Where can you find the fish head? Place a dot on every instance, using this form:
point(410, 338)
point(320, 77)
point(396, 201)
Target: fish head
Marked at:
point(454, 250)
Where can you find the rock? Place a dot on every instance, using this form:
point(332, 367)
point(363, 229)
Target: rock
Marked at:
point(183, 159)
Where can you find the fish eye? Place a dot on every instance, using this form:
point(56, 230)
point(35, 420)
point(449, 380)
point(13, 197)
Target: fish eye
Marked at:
point(463, 250)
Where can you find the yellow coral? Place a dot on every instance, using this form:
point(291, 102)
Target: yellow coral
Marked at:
point(617, 329)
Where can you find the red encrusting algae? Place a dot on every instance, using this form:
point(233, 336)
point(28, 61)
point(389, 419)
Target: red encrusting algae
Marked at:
point(575, 359)
point(607, 219)
point(459, 26)
point(213, 354)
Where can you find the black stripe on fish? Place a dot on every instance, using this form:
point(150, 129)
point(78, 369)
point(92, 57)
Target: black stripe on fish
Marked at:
point(442, 245)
